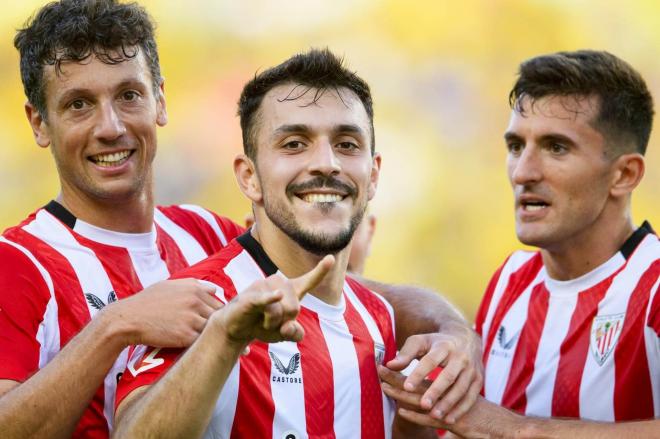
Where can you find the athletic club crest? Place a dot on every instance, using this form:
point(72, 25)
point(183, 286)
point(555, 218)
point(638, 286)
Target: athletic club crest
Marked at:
point(379, 352)
point(605, 332)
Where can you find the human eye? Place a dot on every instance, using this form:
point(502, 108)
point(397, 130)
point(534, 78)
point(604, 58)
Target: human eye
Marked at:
point(77, 104)
point(130, 95)
point(294, 145)
point(347, 146)
point(515, 148)
point(557, 148)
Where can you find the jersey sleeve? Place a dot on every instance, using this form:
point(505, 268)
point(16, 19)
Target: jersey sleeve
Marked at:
point(230, 229)
point(24, 300)
point(146, 365)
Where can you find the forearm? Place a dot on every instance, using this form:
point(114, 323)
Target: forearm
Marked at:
point(403, 429)
point(180, 404)
point(419, 310)
point(577, 429)
point(50, 403)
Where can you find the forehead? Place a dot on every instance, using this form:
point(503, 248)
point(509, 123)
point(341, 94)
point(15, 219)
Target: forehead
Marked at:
point(568, 115)
point(296, 104)
point(93, 74)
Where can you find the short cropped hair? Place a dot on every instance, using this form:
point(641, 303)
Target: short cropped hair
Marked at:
point(625, 115)
point(317, 69)
point(74, 30)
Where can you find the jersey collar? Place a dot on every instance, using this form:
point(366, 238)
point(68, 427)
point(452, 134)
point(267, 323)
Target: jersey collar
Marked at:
point(258, 253)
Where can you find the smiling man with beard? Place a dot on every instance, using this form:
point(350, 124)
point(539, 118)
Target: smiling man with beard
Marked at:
point(309, 169)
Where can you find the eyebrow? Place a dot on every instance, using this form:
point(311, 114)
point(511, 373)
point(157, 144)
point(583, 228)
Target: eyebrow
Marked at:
point(511, 137)
point(69, 94)
point(301, 128)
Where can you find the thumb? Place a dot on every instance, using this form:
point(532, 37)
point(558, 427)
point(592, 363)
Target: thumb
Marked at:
point(308, 281)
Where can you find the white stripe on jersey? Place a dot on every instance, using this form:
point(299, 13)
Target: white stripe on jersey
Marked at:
point(377, 337)
point(92, 278)
point(557, 322)
point(243, 271)
point(499, 360)
point(615, 302)
point(190, 248)
point(516, 261)
point(48, 334)
point(208, 217)
point(224, 412)
point(652, 343)
point(346, 380)
point(289, 400)
point(149, 267)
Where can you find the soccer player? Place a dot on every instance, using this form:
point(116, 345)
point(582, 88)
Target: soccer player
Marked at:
point(309, 169)
point(572, 330)
point(95, 98)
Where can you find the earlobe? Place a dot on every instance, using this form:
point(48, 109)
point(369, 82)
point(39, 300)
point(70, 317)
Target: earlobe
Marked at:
point(246, 176)
point(629, 172)
point(375, 173)
point(38, 125)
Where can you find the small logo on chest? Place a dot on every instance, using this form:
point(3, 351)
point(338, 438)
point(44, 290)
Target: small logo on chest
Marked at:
point(285, 371)
point(97, 303)
point(504, 344)
point(605, 332)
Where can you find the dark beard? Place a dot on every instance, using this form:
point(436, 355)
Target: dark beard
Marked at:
point(319, 244)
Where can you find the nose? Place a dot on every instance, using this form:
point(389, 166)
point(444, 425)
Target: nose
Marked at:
point(324, 160)
point(109, 126)
point(526, 168)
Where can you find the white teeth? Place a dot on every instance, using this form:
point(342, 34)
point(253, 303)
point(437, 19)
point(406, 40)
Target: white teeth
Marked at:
point(534, 207)
point(321, 198)
point(113, 159)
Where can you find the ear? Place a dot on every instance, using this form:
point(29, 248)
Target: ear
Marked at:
point(628, 172)
point(161, 108)
point(38, 124)
point(375, 172)
point(246, 176)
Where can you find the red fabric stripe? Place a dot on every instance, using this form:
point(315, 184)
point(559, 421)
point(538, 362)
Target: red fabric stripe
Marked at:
point(522, 364)
point(196, 226)
point(318, 379)
point(482, 312)
point(633, 394)
point(169, 251)
point(518, 282)
point(371, 401)
point(230, 229)
point(574, 351)
point(117, 263)
point(379, 313)
point(71, 318)
point(654, 314)
point(255, 408)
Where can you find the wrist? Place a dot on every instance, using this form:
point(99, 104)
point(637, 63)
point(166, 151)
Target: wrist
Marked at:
point(218, 324)
point(116, 327)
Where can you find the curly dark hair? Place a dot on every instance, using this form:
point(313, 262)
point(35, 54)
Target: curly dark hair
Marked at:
point(318, 70)
point(74, 30)
point(625, 114)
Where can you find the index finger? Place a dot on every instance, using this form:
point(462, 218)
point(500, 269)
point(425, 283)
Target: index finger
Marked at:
point(303, 284)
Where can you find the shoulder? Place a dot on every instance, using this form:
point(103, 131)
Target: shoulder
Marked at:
point(192, 217)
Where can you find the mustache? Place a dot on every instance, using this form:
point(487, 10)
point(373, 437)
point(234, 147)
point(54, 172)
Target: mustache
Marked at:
point(328, 182)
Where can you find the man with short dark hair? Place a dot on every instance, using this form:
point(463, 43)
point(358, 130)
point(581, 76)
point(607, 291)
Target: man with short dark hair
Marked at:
point(309, 169)
point(572, 330)
point(95, 98)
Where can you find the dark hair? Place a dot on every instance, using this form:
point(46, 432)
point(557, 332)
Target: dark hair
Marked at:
point(625, 114)
point(74, 30)
point(316, 69)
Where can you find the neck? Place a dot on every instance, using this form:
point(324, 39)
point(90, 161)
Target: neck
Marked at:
point(134, 215)
point(583, 253)
point(293, 261)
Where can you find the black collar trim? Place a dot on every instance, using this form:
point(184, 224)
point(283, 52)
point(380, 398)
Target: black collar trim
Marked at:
point(631, 243)
point(60, 212)
point(257, 252)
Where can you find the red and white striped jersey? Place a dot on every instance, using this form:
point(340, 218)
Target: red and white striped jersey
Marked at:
point(57, 272)
point(325, 386)
point(585, 348)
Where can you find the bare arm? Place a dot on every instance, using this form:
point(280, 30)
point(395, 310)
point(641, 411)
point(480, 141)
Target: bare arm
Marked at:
point(430, 329)
point(265, 310)
point(488, 420)
point(50, 403)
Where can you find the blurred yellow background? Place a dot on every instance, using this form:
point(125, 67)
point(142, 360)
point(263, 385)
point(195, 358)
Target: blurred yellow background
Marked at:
point(440, 72)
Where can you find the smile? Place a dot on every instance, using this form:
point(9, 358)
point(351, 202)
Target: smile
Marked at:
point(533, 207)
point(321, 198)
point(112, 159)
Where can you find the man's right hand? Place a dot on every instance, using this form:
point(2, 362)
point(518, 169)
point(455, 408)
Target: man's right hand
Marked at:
point(268, 308)
point(170, 313)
